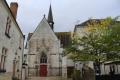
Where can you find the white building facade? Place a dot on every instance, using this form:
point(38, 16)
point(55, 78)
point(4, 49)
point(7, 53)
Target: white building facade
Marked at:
point(11, 41)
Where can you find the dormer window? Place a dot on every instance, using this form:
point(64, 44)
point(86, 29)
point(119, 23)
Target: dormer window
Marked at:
point(8, 26)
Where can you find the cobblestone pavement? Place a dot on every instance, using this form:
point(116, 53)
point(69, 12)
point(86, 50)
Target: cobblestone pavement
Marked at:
point(6, 76)
point(47, 78)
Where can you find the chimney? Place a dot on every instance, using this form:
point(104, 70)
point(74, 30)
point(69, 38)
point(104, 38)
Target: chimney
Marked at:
point(14, 8)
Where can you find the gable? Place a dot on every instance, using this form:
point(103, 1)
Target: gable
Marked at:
point(7, 11)
point(44, 30)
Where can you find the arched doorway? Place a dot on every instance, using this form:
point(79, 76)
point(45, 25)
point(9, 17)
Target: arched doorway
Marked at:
point(43, 65)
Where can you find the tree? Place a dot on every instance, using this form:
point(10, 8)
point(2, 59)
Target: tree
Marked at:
point(112, 43)
point(101, 41)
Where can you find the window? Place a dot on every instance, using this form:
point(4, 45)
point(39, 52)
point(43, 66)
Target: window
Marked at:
point(43, 58)
point(8, 26)
point(3, 59)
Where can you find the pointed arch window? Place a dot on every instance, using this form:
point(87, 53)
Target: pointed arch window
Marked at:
point(43, 58)
point(3, 59)
point(8, 26)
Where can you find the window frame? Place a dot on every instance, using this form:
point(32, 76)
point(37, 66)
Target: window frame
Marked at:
point(3, 60)
point(43, 59)
point(8, 26)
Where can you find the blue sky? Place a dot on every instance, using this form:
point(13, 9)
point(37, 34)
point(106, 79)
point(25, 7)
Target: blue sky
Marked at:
point(66, 13)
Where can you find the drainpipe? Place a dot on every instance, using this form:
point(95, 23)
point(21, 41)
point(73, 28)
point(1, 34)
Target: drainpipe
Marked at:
point(14, 68)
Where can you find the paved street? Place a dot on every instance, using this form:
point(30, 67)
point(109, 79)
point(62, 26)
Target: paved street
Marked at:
point(6, 76)
point(47, 78)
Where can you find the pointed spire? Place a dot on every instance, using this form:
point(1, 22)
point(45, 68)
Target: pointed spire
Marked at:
point(44, 15)
point(50, 17)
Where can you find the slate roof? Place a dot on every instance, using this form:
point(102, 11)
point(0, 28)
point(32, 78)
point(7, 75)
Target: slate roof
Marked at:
point(50, 15)
point(91, 21)
point(65, 38)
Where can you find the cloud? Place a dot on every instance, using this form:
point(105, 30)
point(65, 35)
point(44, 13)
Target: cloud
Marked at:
point(66, 12)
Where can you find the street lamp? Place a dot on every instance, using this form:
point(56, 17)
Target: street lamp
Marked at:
point(14, 70)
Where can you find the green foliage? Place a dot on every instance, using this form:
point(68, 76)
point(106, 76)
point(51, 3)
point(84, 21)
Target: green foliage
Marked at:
point(102, 41)
point(112, 43)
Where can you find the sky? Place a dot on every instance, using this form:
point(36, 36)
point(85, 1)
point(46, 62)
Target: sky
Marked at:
point(66, 13)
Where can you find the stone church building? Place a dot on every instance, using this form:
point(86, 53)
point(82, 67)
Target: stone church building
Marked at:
point(44, 48)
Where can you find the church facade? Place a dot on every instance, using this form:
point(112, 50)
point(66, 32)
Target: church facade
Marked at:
point(44, 50)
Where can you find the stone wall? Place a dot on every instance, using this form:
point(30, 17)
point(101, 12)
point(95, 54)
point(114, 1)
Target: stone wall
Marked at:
point(44, 41)
point(14, 44)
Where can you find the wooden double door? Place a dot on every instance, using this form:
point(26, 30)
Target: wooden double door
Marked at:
point(43, 70)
